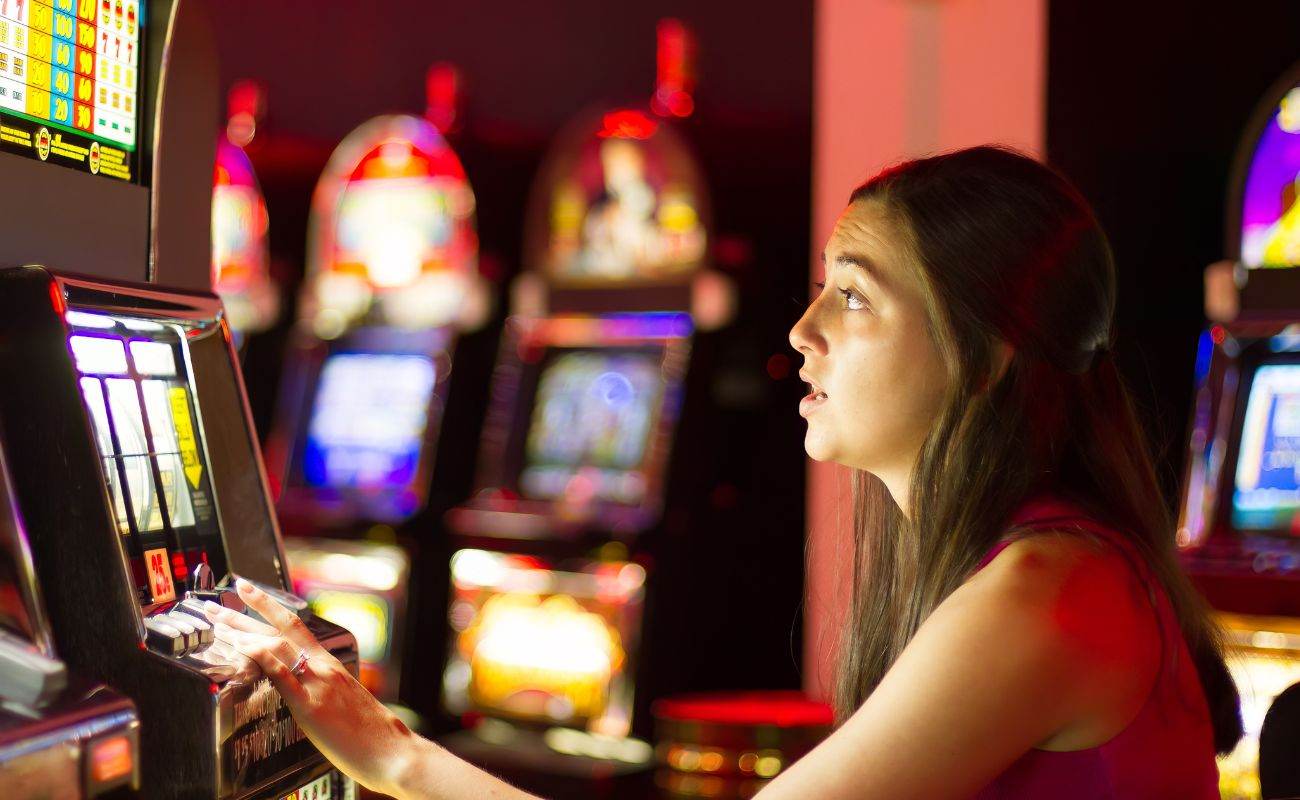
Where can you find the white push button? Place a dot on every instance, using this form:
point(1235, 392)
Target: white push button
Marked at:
point(164, 637)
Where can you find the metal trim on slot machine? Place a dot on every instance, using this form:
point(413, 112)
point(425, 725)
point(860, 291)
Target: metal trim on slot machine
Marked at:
point(61, 735)
point(134, 461)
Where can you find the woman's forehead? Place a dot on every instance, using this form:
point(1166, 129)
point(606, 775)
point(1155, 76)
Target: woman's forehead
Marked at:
point(863, 226)
point(866, 236)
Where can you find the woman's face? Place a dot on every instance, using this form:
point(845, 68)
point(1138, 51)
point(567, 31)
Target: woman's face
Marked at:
point(877, 379)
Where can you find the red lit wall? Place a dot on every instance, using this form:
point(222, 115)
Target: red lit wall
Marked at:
point(896, 79)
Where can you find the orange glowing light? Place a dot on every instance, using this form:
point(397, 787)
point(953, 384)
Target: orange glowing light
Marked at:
point(111, 759)
point(541, 657)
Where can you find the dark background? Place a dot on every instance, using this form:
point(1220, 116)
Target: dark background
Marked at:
point(734, 528)
point(1146, 105)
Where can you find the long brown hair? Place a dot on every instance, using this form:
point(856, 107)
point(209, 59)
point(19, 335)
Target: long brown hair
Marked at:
point(1008, 251)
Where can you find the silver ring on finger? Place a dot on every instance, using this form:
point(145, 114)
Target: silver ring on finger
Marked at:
point(299, 664)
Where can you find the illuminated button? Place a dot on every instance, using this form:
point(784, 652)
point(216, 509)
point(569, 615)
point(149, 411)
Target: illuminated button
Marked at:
point(164, 637)
point(111, 759)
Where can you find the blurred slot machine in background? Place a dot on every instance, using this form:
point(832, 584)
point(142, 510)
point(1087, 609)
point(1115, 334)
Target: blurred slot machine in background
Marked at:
point(1239, 528)
point(561, 623)
point(241, 255)
point(392, 281)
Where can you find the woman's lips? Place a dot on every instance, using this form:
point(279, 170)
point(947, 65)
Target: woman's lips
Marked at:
point(815, 395)
point(811, 403)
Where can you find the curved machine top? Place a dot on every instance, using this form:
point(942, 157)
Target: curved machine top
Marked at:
point(619, 201)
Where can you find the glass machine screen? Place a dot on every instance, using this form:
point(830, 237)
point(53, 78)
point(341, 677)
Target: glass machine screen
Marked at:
point(591, 425)
point(533, 642)
point(140, 401)
point(1266, 492)
point(368, 421)
point(69, 83)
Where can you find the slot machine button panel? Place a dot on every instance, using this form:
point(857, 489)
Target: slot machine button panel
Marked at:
point(163, 637)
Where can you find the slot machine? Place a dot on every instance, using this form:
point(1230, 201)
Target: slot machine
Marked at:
point(130, 452)
point(241, 258)
point(392, 281)
point(1239, 526)
point(570, 580)
point(61, 735)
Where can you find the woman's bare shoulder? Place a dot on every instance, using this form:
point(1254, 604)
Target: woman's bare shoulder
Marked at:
point(1082, 595)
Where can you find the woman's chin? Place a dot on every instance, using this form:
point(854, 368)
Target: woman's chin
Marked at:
point(817, 448)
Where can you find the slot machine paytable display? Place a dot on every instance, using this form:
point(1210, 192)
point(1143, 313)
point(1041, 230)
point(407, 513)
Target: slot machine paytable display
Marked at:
point(129, 449)
point(1239, 528)
point(561, 580)
point(392, 280)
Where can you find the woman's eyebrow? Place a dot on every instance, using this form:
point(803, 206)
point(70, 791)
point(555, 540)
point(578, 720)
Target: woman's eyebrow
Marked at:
point(861, 262)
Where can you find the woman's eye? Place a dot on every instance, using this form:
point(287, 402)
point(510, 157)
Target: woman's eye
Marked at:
point(852, 300)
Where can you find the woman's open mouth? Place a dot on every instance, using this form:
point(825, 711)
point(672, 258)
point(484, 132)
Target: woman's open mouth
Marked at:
point(814, 398)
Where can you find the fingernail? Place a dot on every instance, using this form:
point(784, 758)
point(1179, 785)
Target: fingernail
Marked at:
point(243, 585)
point(212, 608)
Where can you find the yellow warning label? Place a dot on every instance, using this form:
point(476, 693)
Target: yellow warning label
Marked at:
point(180, 403)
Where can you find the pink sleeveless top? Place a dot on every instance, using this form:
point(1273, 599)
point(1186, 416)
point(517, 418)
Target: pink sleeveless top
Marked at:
point(1166, 751)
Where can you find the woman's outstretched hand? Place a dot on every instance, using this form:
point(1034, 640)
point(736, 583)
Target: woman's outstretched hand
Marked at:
point(345, 722)
point(349, 726)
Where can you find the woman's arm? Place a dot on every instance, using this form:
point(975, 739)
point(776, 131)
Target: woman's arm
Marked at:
point(345, 722)
point(1053, 643)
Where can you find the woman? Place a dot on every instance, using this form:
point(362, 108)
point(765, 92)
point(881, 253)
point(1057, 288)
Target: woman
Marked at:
point(1019, 627)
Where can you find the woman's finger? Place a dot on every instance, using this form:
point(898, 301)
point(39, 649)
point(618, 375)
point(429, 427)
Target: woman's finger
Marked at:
point(284, 620)
point(249, 643)
point(218, 613)
point(284, 681)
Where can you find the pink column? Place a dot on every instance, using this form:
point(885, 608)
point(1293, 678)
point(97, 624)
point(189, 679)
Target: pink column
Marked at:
point(895, 79)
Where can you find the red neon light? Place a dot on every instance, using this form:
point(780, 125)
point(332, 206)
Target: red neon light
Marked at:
point(675, 74)
point(442, 96)
point(1218, 334)
point(786, 709)
point(627, 124)
point(57, 300)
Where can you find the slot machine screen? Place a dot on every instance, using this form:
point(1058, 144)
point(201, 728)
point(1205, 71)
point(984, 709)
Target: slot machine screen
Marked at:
point(70, 83)
point(368, 421)
point(361, 586)
point(139, 393)
point(1266, 489)
point(591, 424)
point(543, 642)
point(1270, 214)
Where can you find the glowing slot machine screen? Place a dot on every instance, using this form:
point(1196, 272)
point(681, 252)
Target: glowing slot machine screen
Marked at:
point(368, 420)
point(1266, 494)
point(137, 392)
point(70, 83)
point(591, 424)
point(1270, 215)
point(549, 644)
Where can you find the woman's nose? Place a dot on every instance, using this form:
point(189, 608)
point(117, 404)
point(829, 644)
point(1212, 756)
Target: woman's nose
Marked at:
point(804, 336)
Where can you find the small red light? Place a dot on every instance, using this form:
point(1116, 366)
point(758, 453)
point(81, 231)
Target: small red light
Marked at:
point(1218, 334)
point(57, 299)
point(778, 367)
